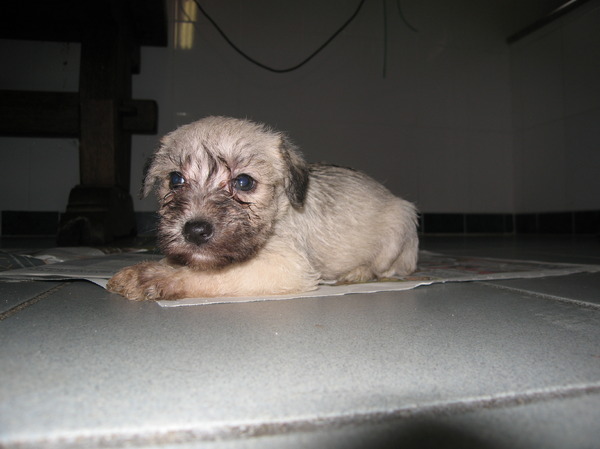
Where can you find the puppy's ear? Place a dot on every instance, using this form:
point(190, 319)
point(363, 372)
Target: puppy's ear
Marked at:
point(296, 179)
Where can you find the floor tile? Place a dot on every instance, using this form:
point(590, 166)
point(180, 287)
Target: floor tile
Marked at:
point(563, 249)
point(583, 287)
point(547, 424)
point(83, 365)
point(13, 294)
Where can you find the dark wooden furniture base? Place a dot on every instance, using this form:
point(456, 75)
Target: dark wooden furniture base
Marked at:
point(102, 114)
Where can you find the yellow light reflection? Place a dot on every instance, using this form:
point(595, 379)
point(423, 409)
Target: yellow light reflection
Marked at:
point(186, 14)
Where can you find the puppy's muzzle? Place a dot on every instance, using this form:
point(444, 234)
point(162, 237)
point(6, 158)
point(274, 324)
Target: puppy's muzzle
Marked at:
point(198, 232)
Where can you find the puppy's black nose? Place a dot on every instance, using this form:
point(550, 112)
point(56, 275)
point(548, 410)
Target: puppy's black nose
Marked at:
point(198, 232)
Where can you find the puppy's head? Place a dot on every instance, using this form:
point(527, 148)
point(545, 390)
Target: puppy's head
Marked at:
point(222, 184)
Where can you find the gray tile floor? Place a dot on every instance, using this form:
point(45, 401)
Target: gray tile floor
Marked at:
point(506, 364)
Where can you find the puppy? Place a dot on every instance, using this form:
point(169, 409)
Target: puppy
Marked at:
point(242, 214)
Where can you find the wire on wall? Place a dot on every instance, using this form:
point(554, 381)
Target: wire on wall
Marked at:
point(385, 32)
point(404, 18)
point(321, 47)
point(272, 69)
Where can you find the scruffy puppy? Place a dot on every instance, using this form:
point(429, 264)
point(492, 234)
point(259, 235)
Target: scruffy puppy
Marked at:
point(242, 214)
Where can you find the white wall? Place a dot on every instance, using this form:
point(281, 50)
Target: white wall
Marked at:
point(37, 174)
point(556, 99)
point(437, 129)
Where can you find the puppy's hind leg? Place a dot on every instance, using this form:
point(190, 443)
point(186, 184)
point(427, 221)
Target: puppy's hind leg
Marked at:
point(400, 252)
point(406, 263)
point(359, 274)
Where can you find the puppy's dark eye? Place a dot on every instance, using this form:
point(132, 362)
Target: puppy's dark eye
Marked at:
point(176, 180)
point(243, 182)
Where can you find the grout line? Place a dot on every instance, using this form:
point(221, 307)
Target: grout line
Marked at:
point(575, 302)
point(10, 312)
point(255, 429)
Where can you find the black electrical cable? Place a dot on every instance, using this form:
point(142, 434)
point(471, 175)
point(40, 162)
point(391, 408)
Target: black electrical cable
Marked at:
point(271, 69)
point(404, 18)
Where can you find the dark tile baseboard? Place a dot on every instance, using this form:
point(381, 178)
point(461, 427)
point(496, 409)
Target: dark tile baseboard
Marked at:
point(32, 223)
point(467, 223)
point(583, 222)
point(27, 223)
point(45, 224)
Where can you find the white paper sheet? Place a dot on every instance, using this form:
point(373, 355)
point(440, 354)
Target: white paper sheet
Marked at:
point(433, 268)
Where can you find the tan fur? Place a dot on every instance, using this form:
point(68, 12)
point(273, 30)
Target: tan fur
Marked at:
point(299, 224)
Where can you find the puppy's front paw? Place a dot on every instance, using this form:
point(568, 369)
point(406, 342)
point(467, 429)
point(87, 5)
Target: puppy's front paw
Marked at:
point(144, 281)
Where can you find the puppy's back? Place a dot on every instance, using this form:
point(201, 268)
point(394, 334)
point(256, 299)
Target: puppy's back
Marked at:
point(355, 228)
